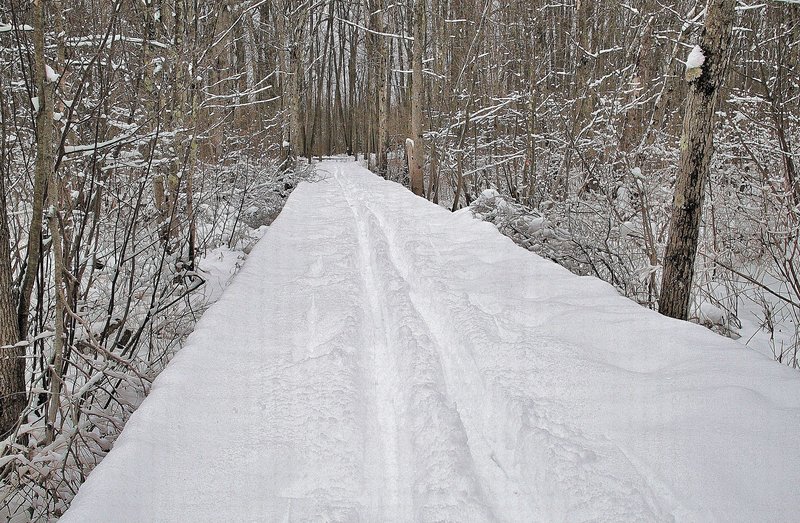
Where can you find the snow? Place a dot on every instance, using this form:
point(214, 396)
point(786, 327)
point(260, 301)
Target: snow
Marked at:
point(711, 314)
point(217, 268)
point(6, 28)
point(488, 194)
point(92, 40)
point(696, 58)
point(94, 147)
point(628, 228)
point(768, 324)
point(378, 358)
point(535, 224)
point(50, 75)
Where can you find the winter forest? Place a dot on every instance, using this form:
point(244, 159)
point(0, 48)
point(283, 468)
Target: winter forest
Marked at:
point(146, 146)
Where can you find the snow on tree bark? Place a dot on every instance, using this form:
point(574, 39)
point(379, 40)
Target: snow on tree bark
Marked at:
point(696, 150)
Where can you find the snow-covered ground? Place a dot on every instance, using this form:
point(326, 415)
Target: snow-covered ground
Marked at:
point(380, 359)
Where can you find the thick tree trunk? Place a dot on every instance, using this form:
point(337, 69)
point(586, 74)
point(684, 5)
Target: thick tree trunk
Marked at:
point(44, 163)
point(177, 170)
point(381, 85)
point(296, 80)
point(417, 159)
point(696, 149)
point(12, 363)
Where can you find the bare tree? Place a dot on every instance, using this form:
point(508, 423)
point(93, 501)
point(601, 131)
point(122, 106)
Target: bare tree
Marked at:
point(12, 362)
point(417, 157)
point(297, 17)
point(377, 16)
point(711, 58)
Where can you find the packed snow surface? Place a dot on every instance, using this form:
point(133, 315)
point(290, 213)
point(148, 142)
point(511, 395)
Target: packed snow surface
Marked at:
point(381, 359)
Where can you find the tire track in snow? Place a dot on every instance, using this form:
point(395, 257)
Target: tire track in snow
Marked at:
point(445, 484)
point(388, 497)
point(463, 380)
point(515, 434)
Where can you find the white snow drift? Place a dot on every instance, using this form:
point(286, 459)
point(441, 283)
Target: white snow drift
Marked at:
point(380, 359)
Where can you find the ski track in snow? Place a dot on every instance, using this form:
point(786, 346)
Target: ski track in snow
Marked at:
point(380, 359)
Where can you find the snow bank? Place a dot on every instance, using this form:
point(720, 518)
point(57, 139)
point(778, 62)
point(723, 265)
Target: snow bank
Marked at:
point(381, 359)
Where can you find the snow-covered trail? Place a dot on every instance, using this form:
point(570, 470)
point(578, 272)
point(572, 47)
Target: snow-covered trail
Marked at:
point(381, 359)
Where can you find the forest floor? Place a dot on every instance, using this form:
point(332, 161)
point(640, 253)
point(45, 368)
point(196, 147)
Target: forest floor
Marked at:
point(378, 358)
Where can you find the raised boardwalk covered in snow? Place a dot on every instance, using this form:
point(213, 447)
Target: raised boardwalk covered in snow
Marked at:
point(380, 359)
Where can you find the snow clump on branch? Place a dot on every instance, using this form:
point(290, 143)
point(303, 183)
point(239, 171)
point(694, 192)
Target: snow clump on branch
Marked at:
point(696, 58)
point(694, 63)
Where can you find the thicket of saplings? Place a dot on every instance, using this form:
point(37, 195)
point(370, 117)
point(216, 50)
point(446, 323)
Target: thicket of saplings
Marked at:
point(573, 114)
point(747, 268)
point(135, 234)
point(127, 262)
point(133, 173)
point(588, 185)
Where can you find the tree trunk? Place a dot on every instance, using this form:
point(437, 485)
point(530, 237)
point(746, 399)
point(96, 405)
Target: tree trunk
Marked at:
point(381, 85)
point(696, 149)
point(418, 157)
point(44, 163)
point(57, 367)
point(12, 363)
point(296, 80)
